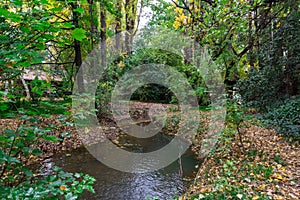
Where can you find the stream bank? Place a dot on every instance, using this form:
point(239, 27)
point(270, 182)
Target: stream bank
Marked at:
point(71, 156)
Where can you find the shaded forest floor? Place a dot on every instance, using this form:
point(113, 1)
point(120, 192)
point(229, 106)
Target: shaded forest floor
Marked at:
point(266, 167)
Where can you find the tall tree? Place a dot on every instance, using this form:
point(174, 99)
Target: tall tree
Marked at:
point(77, 49)
point(230, 29)
point(130, 20)
point(118, 26)
point(93, 25)
point(103, 32)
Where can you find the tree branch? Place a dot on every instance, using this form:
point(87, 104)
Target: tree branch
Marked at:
point(185, 7)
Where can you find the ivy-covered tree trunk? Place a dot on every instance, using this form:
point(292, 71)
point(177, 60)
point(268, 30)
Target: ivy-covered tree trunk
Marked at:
point(103, 32)
point(118, 26)
point(77, 50)
point(130, 17)
point(93, 27)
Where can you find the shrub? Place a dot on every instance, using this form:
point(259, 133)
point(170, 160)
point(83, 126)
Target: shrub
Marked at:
point(262, 88)
point(149, 92)
point(19, 181)
point(285, 118)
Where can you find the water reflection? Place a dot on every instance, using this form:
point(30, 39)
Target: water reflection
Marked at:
point(115, 185)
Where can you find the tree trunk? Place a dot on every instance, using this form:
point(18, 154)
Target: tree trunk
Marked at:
point(127, 20)
point(130, 17)
point(118, 25)
point(77, 49)
point(6, 88)
point(93, 27)
point(103, 33)
point(28, 96)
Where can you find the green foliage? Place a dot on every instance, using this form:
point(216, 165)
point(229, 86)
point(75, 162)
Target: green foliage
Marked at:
point(235, 114)
point(60, 185)
point(79, 34)
point(149, 92)
point(39, 88)
point(163, 16)
point(257, 91)
point(196, 81)
point(261, 169)
point(224, 189)
point(271, 38)
point(273, 88)
point(39, 35)
point(43, 108)
point(285, 117)
point(278, 75)
point(19, 181)
point(24, 33)
point(152, 93)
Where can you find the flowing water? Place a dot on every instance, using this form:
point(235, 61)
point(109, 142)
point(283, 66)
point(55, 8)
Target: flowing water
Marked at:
point(116, 185)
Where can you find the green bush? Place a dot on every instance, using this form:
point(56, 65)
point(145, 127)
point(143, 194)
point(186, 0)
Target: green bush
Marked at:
point(261, 88)
point(285, 118)
point(60, 185)
point(149, 92)
point(19, 181)
point(157, 56)
point(277, 75)
point(152, 93)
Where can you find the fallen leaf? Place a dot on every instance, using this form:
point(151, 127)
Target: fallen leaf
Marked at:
point(255, 197)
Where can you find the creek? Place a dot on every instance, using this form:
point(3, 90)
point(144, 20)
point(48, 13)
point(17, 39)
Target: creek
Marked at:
point(112, 184)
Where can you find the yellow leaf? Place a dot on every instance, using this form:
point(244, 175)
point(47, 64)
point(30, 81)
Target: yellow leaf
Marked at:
point(177, 10)
point(277, 197)
point(278, 25)
point(176, 25)
point(121, 64)
point(261, 187)
point(63, 187)
point(255, 197)
point(277, 176)
point(182, 18)
point(203, 190)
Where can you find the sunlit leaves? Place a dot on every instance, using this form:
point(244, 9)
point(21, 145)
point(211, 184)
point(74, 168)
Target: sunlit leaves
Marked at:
point(80, 10)
point(79, 34)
